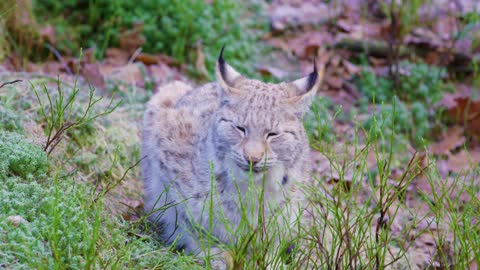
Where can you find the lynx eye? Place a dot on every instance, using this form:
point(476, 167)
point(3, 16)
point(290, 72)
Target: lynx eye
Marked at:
point(272, 135)
point(241, 129)
point(224, 120)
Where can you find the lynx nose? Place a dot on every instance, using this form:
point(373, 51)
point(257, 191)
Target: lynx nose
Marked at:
point(253, 152)
point(253, 159)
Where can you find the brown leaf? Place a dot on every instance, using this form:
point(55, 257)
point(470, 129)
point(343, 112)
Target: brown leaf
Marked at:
point(147, 59)
point(48, 34)
point(464, 160)
point(286, 16)
point(345, 25)
point(423, 37)
point(129, 74)
point(307, 44)
point(427, 239)
point(15, 220)
point(351, 68)
point(133, 204)
point(131, 40)
point(473, 127)
point(272, 71)
point(452, 139)
point(280, 43)
point(465, 109)
point(116, 57)
point(91, 72)
point(377, 62)
point(162, 73)
point(334, 81)
point(52, 67)
point(446, 26)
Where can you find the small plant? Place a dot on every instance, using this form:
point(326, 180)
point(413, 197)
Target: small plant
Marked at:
point(352, 213)
point(59, 114)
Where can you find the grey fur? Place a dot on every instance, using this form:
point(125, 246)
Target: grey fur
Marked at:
point(228, 123)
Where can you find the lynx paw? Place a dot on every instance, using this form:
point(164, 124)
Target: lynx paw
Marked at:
point(219, 260)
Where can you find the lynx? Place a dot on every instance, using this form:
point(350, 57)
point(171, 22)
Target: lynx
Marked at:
point(234, 130)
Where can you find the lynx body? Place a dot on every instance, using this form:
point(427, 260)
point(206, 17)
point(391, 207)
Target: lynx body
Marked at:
point(232, 131)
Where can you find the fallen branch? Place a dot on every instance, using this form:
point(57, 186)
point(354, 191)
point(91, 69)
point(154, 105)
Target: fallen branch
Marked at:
point(377, 48)
point(7, 83)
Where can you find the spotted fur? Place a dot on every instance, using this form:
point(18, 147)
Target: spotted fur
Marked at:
point(235, 124)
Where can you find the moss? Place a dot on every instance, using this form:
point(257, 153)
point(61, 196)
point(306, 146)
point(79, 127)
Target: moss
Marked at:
point(21, 158)
point(10, 121)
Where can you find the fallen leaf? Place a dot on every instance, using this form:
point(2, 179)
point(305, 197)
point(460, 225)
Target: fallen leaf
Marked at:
point(116, 57)
point(91, 72)
point(286, 16)
point(452, 139)
point(427, 239)
point(52, 67)
point(334, 81)
point(446, 27)
point(48, 34)
point(15, 220)
point(464, 161)
point(272, 71)
point(424, 37)
point(89, 56)
point(464, 111)
point(132, 39)
point(307, 44)
point(163, 73)
point(132, 203)
point(129, 74)
point(147, 59)
point(351, 68)
point(344, 25)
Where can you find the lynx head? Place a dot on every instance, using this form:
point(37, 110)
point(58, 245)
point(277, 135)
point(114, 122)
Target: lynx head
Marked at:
point(259, 125)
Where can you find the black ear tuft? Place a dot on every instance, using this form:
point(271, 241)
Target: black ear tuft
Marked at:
point(312, 77)
point(221, 62)
point(220, 57)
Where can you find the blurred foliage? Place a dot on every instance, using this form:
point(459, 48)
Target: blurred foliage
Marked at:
point(418, 82)
point(414, 113)
point(19, 30)
point(178, 28)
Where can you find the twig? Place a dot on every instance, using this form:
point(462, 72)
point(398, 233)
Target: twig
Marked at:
point(59, 57)
point(135, 54)
point(7, 83)
point(111, 186)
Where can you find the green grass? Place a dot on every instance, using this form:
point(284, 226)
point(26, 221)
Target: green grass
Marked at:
point(177, 28)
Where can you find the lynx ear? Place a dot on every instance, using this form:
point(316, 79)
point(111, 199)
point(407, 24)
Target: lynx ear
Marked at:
point(306, 88)
point(226, 76)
